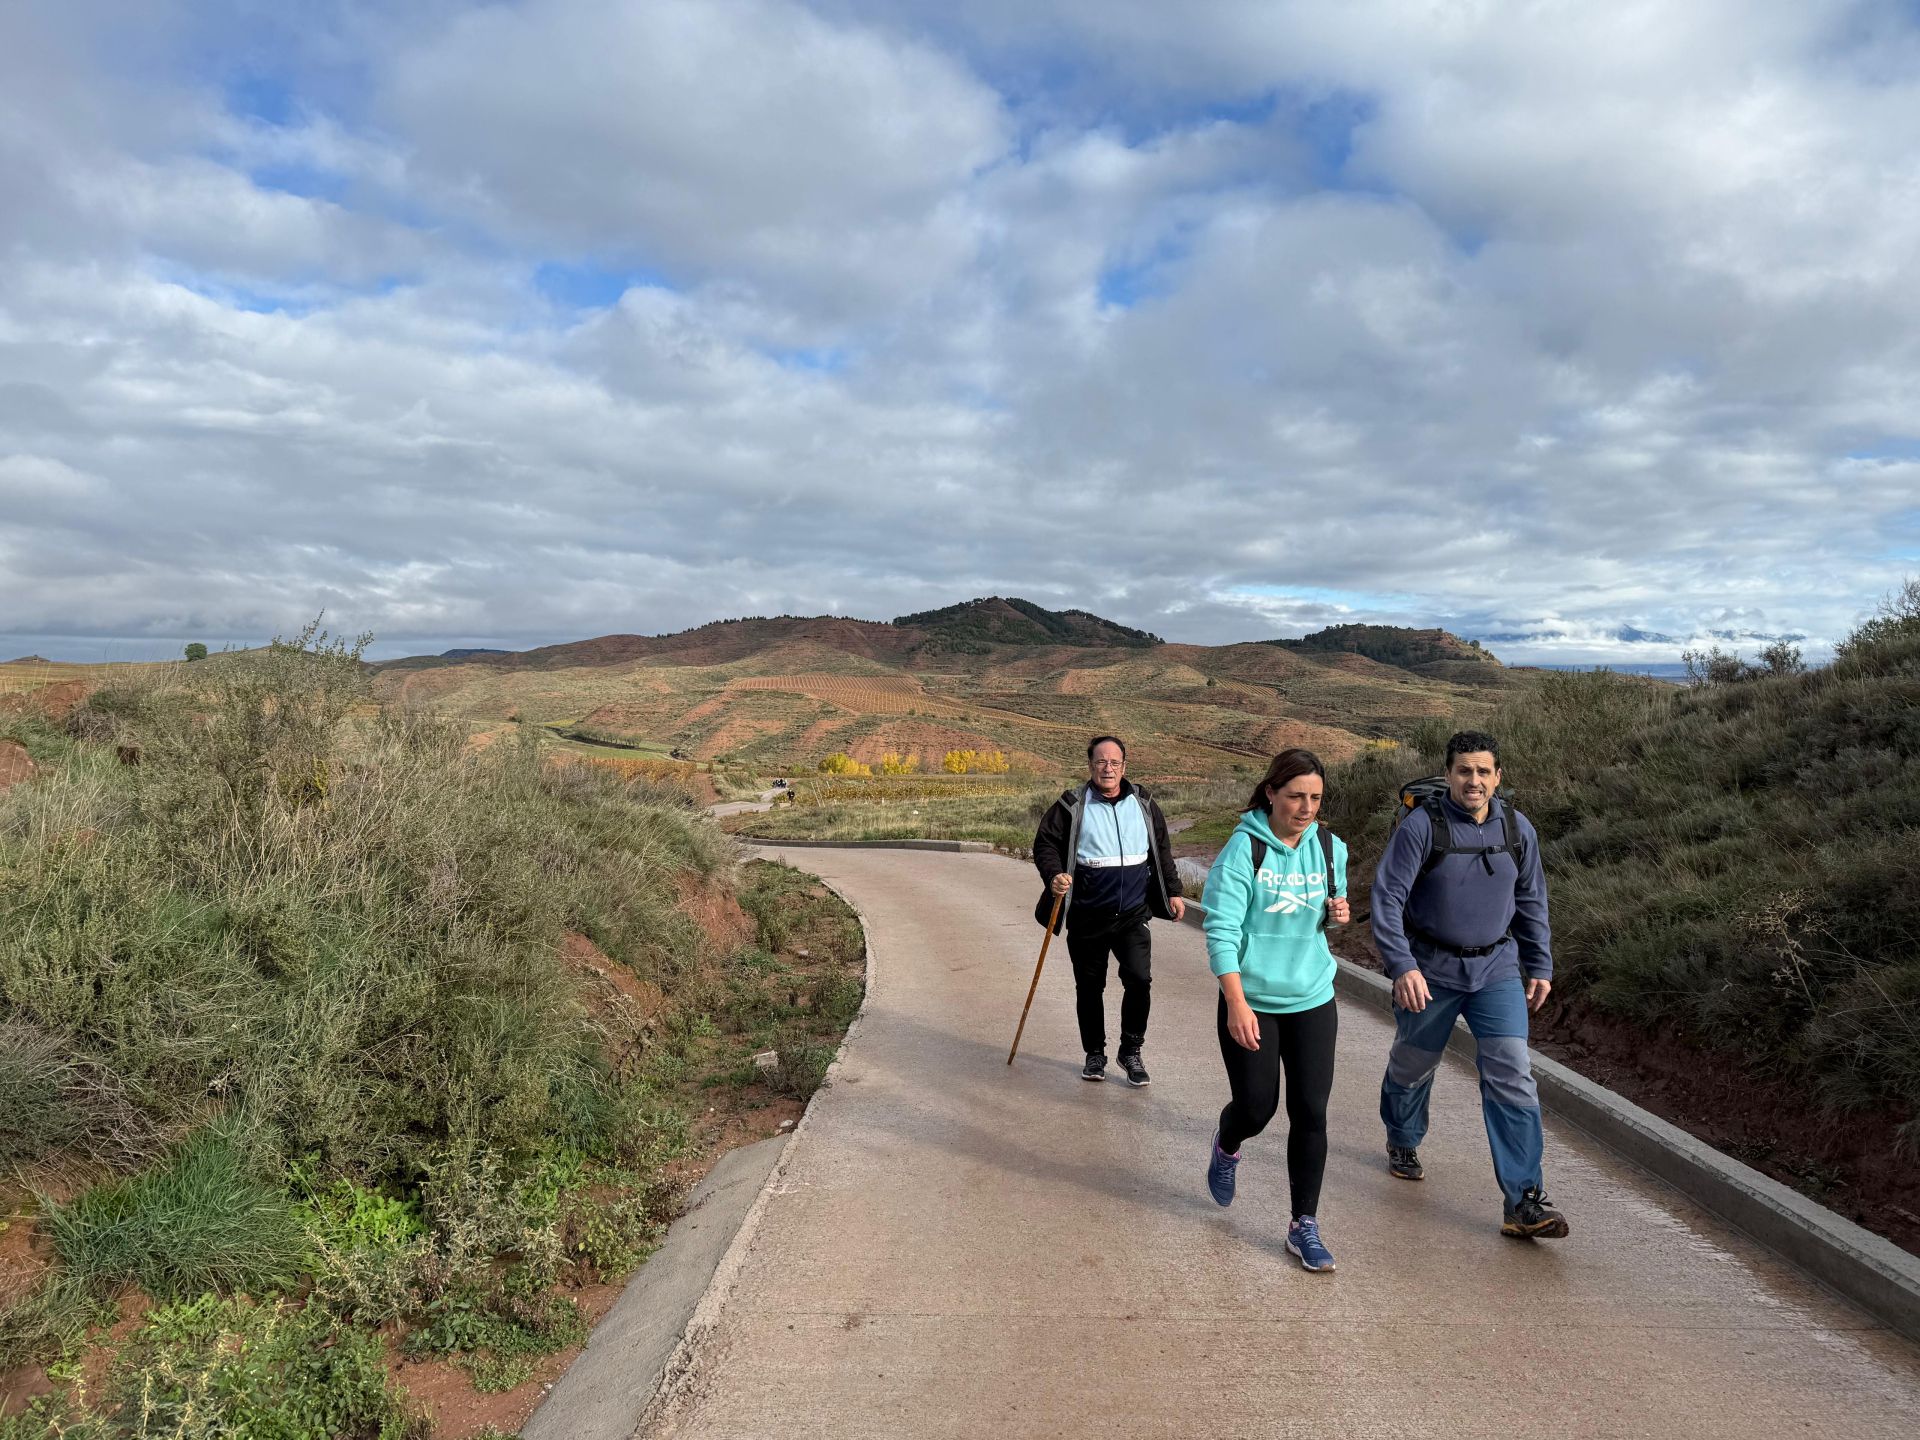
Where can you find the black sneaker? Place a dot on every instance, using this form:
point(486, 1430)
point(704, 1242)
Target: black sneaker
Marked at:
point(1096, 1067)
point(1404, 1163)
point(1129, 1061)
point(1534, 1218)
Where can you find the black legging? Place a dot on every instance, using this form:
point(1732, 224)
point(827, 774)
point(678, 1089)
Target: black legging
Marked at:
point(1303, 1043)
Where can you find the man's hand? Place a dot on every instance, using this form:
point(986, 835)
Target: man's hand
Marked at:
point(1537, 991)
point(1338, 911)
point(1243, 1025)
point(1062, 883)
point(1410, 992)
point(1178, 906)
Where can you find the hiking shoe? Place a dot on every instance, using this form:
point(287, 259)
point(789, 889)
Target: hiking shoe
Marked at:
point(1096, 1066)
point(1220, 1170)
point(1404, 1162)
point(1534, 1218)
point(1129, 1061)
point(1303, 1240)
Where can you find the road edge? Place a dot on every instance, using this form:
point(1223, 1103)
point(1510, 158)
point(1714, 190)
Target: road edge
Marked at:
point(678, 1372)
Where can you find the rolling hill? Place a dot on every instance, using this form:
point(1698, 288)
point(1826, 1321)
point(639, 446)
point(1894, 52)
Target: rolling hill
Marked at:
point(990, 674)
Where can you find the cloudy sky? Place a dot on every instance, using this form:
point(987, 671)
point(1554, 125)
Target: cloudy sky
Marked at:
point(1552, 322)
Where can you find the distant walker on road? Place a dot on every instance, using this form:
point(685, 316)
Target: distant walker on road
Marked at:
point(1104, 849)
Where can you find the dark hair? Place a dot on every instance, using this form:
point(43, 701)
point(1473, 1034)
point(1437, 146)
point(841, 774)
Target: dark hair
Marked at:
point(1472, 742)
point(1099, 740)
point(1287, 765)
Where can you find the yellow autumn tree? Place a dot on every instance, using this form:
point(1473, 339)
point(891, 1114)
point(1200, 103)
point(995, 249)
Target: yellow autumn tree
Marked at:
point(959, 762)
point(843, 764)
point(992, 763)
point(891, 763)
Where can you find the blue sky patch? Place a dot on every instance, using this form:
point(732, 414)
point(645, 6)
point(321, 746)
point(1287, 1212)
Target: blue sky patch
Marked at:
point(591, 287)
point(816, 360)
point(261, 97)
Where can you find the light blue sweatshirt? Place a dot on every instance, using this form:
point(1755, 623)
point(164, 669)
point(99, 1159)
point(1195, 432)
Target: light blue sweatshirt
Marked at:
point(1267, 926)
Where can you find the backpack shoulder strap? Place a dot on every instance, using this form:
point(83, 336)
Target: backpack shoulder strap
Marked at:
point(1326, 848)
point(1439, 834)
point(1510, 833)
point(1259, 847)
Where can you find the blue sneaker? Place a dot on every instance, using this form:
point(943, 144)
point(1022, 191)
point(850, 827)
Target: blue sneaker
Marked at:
point(1303, 1239)
point(1220, 1173)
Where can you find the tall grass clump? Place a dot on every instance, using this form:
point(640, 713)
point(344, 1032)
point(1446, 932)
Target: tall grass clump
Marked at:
point(204, 1220)
point(1740, 859)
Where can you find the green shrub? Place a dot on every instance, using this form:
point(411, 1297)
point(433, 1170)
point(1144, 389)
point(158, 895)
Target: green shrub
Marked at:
point(804, 1060)
point(495, 1336)
point(210, 1368)
point(365, 1250)
point(199, 1221)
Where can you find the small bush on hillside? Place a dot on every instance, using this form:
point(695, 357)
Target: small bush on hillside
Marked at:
point(1882, 636)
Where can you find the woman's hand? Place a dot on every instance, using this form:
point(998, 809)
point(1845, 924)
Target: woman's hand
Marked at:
point(1062, 883)
point(1338, 911)
point(1243, 1025)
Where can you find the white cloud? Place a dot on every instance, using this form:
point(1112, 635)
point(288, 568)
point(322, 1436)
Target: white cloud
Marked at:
point(740, 138)
point(1575, 319)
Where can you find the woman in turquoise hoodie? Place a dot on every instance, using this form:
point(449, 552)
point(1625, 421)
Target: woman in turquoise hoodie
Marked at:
point(1277, 884)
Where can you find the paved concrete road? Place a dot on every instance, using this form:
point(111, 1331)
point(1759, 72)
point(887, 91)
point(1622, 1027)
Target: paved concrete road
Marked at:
point(956, 1248)
point(743, 807)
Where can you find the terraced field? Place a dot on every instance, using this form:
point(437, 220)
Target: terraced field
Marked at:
point(877, 695)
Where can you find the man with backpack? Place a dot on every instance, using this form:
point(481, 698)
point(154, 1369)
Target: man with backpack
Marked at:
point(1460, 921)
point(1104, 850)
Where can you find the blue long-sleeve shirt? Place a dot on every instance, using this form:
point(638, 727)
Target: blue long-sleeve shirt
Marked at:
point(1459, 903)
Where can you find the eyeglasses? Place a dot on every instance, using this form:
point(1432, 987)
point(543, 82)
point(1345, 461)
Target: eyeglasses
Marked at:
point(1108, 764)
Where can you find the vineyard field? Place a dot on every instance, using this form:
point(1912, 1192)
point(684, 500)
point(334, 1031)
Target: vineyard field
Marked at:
point(862, 695)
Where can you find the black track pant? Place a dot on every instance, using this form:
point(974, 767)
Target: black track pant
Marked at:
point(1124, 937)
point(1302, 1045)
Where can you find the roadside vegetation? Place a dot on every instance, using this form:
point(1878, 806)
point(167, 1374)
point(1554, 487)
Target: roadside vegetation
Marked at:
point(328, 1038)
point(1737, 861)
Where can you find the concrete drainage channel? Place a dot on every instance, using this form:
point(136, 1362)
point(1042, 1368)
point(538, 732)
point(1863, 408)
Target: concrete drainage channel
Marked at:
point(1858, 1265)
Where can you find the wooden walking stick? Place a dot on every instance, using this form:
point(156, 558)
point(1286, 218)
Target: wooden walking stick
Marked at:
point(1052, 920)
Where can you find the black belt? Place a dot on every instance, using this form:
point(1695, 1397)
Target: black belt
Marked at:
point(1465, 952)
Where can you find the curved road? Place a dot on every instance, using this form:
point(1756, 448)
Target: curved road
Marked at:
point(957, 1248)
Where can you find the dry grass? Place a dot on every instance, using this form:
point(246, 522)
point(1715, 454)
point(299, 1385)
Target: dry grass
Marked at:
point(17, 676)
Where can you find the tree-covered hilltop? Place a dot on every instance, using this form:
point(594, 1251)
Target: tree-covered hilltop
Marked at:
point(1009, 621)
point(1392, 645)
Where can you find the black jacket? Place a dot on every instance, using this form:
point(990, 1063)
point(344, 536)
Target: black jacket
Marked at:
point(1057, 841)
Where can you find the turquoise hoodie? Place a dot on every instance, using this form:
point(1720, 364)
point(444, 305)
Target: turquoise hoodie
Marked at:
point(1267, 927)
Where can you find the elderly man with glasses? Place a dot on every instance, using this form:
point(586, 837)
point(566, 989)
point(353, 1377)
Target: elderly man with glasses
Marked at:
point(1103, 848)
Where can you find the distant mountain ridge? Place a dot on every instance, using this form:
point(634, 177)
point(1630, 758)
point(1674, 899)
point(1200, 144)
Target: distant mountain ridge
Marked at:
point(990, 674)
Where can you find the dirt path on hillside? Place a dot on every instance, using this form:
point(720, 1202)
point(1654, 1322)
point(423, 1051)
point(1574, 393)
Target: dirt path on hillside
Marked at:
point(958, 1247)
